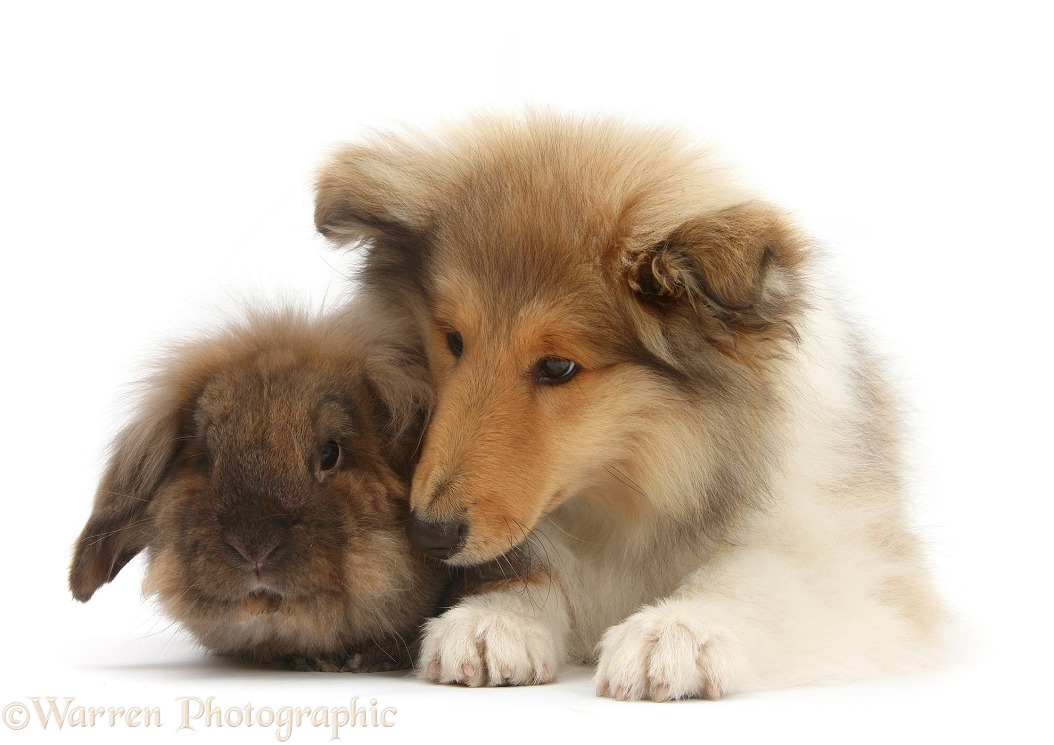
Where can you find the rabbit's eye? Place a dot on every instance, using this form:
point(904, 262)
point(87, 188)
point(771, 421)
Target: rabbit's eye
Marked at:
point(330, 456)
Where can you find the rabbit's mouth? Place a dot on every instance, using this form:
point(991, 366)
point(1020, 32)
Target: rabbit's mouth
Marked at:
point(262, 602)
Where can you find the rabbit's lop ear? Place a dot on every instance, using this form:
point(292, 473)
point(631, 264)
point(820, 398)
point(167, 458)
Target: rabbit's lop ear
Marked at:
point(121, 524)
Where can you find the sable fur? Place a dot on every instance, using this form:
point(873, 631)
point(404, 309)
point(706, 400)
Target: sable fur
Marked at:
point(714, 501)
point(251, 545)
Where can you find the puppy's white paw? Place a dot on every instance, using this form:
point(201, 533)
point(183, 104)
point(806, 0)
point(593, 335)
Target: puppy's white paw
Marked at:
point(663, 655)
point(479, 646)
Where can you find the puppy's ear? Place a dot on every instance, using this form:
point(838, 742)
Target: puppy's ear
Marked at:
point(120, 525)
point(402, 390)
point(737, 262)
point(371, 192)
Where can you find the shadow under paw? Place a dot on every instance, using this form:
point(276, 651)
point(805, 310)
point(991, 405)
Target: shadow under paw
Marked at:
point(368, 657)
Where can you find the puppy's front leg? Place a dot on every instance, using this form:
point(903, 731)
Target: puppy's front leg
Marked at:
point(749, 619)
point(756, 618)
point(673, 649)
point(508, 631)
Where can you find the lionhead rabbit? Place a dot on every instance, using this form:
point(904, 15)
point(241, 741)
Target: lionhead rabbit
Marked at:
point(266, 476)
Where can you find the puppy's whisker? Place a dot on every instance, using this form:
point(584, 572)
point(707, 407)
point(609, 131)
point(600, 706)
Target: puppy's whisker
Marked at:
point(621, 476)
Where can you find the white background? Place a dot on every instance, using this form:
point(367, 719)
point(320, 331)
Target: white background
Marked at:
point(155, 167)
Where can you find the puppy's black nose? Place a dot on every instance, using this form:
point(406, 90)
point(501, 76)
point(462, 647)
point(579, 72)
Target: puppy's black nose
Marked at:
point(439, 539)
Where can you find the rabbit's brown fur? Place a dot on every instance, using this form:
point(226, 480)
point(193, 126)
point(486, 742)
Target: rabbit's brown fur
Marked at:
point(254, 543)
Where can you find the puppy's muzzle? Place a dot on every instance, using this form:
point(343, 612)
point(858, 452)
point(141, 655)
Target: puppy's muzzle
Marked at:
point(439, 539)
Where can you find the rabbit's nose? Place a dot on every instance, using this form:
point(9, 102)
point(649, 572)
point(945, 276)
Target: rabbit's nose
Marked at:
point(439, 539)
point(254, 555)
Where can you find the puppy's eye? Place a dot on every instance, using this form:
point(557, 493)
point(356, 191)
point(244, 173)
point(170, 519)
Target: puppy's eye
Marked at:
point(550, 371)
point(330, 456)
point(456, 343)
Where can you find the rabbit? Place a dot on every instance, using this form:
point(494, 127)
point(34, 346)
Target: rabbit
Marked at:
point(266, 476)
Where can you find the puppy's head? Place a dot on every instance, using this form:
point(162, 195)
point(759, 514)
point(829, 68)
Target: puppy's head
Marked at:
point(601, 307)
point(266, 475)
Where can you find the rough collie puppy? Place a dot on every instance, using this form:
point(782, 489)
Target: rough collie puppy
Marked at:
point(648, 411)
